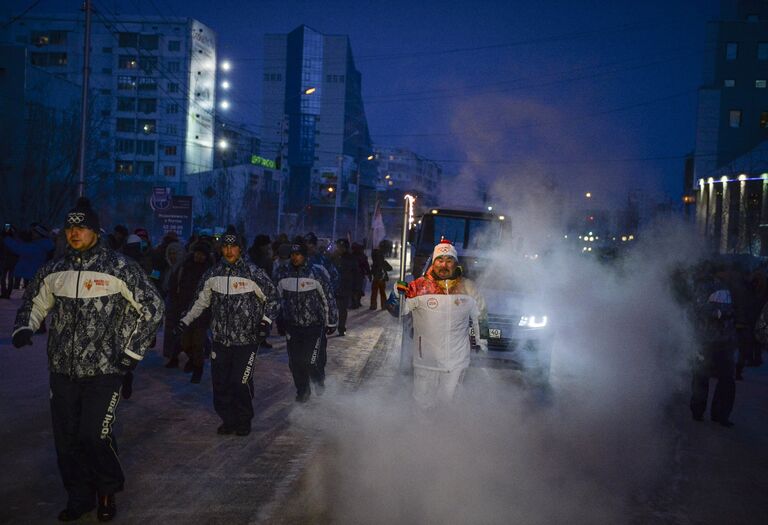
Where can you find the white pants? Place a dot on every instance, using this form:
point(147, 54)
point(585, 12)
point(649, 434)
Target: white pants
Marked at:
point(435, 387)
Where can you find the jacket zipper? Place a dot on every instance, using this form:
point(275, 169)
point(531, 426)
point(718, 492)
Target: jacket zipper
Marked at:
point(226, 302)
point(79, 261)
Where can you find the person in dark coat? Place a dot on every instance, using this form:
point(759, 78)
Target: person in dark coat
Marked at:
point(350, 277)
point(365, 272)
point(379, 275)
point(714, 318)
point(33, 251)
point(182, 283)
point(8, 260)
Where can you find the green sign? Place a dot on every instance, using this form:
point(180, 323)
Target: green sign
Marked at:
point(261, 161)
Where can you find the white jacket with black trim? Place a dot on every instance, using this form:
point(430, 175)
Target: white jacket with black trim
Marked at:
point(306, 296)
point(102, 304)
point(239, 295)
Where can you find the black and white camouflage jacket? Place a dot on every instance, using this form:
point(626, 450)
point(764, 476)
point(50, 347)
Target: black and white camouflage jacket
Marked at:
point(239, 295)
point(101, 303)
point(306, 296)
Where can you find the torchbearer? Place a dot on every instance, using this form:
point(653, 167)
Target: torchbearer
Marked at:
point(104, 314)
point(442, 303)
point(243, 302)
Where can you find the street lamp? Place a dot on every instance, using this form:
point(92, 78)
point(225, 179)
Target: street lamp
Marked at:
point(226, 65)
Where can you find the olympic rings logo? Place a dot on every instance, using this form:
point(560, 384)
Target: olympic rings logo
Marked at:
point(75, 218)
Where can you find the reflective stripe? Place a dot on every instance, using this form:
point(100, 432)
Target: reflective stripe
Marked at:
point(92, 284)
point(237, 285)
point(302, 284)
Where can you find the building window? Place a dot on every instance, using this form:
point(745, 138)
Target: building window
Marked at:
point(731, 51)
point(128, 40)
point(148, 64)
point(170, 151)
point(44, 38)
point(734, 118)
point(40, 38)
point(149, 42)
point(123, 167)
point(127, 62)
point(106, 70)
point(147, 105)
point(174, 45)
point(38, 59)
point(172, 108)
point(126, 104)
point(105, 91)
point(48, 59)
point(171, 130)
point(729, 82)
point(764, 119)
point(174, 66)
point(760, 84)
point(106, 50)
point(125, 146)
point(762, 50)
point(145, 147)
point(125, 83)
point(147, 126)
point(147, 84)
point(169, 171)
point(173, 87)
point(145, 168)
point(126, 125)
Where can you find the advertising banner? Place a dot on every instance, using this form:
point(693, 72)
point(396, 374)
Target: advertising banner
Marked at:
point(175, 216)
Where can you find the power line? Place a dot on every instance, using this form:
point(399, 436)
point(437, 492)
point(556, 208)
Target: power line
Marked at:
point(21, 15)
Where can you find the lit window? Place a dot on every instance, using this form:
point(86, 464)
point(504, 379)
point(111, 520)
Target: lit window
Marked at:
point(731, 51)
point(729, 83)
point(734, 118)
point(764, 119)
point(760, 84)
point(762, 50)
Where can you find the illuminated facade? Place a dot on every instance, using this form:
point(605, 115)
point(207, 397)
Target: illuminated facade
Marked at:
point(152, 100)
point(731, 158)
point(314, 122)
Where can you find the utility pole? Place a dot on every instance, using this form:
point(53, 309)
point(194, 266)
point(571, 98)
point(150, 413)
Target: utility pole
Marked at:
point(84, 112)
point(338, 196)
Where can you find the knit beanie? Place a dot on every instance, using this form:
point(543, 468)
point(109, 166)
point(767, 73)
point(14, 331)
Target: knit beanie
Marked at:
point(231, 237)
point(82, 215)
point(444, 249)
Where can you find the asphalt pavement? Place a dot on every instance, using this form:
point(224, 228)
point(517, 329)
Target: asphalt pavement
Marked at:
point(178, 470)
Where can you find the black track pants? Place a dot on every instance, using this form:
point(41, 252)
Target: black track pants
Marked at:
point(232, 376)
point(304, 343)
point(83, 412)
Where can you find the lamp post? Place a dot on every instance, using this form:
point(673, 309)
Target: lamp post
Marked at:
point(357, 198)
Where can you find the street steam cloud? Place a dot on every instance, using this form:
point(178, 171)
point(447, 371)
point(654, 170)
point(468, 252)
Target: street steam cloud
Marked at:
point(584, 451)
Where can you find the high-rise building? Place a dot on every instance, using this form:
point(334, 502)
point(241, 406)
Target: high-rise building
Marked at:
point(731, 157)
point(314, 125)
point(152, 100)
point(38, 153)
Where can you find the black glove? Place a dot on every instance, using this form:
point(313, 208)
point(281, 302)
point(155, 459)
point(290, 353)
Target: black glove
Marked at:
point(23, 337)
point(126, 363)
point(329, 330)
point(264, 328)
point(179, 330)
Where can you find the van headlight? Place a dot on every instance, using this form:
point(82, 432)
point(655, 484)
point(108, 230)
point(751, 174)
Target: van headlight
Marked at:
point(533, 321)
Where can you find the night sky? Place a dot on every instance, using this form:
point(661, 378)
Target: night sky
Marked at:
point(594, 95)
